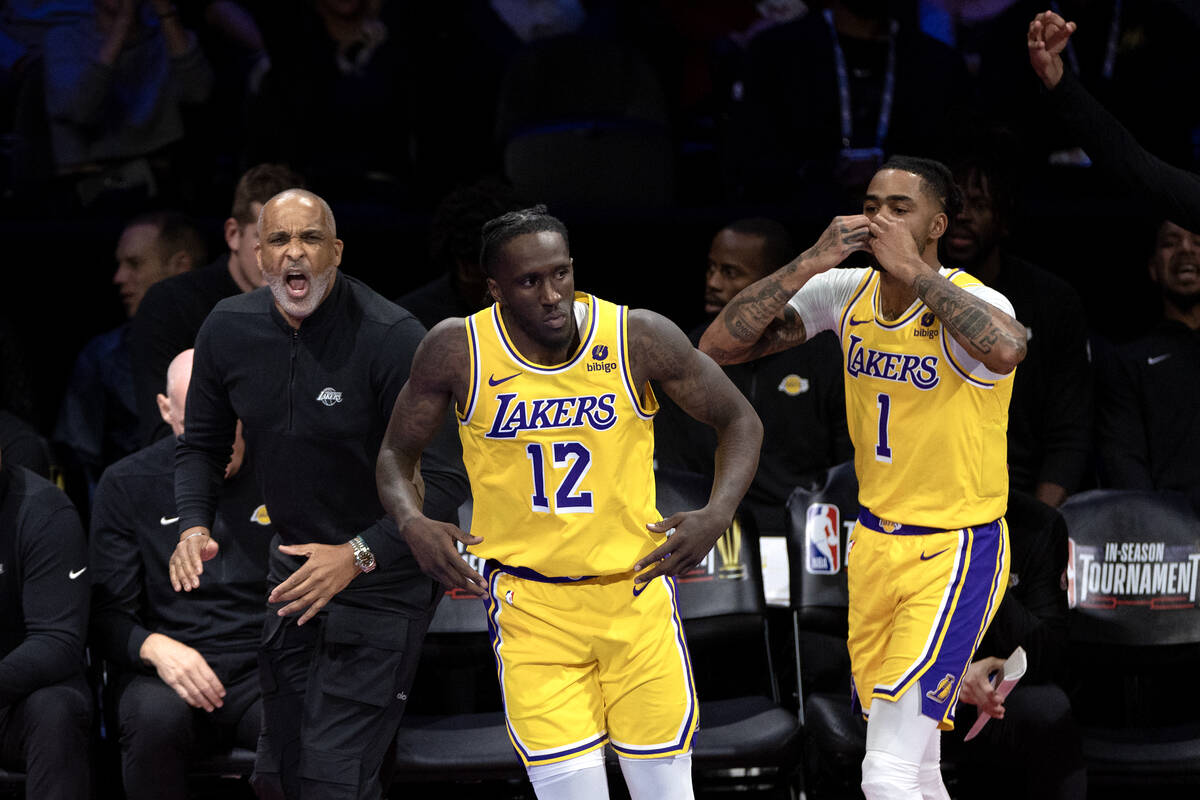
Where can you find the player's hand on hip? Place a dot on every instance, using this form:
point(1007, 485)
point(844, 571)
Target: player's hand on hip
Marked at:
point(187, 562)
point(1047, 38)
point(979, 690)
point(328, 568)
point(845, 235)
point(432, 544)
point(184, 670)
point(693, 538)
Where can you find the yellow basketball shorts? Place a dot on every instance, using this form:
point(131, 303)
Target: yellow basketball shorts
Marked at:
point(585, 661)
point(920, 601)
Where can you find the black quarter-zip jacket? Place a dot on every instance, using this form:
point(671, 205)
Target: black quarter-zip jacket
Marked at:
point(315, 403)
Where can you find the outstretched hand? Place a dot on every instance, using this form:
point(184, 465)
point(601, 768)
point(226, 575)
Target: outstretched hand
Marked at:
point(432, 544)
point(1047, 38)
point(695, 534)
point(187, 562)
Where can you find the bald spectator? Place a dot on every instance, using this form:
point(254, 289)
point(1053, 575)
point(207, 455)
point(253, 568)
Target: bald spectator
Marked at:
point(185, 669)
point(97, 422)
point(168, 320)
point(45, 704)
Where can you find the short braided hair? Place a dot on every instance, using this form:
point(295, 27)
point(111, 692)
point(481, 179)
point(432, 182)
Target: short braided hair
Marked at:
point(503, 229)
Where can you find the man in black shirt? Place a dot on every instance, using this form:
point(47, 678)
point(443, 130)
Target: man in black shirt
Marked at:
point(45, 705)
point(312, 366)
point(186, 677)
point(1049, 420)
point(1149, 421)
point(171, 312)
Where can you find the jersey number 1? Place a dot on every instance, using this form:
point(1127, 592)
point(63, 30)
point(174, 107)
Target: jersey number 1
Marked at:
point(576, 460)
point(882, 452)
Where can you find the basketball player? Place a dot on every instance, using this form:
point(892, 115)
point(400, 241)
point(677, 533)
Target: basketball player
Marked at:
point(928, 354)
point(551, 388)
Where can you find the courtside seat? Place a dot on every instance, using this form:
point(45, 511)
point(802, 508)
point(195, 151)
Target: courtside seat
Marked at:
point(819, 523)
point(1135, 635)
point(746, 739)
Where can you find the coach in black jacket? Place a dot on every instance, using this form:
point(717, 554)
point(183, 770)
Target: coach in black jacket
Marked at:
point(312, 366)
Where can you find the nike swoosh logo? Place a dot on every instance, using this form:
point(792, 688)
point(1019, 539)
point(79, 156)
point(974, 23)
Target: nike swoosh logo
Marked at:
point(493, 382)
point(854, 321)
point(637, 590)
point(935, 555)
point(75, 573)
point(1152, 360)
point(165, 521)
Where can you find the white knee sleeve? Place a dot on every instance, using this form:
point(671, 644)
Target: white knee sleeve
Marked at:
point(887, 777)
point(579, 778)
point(903, 752)
point(668, 778)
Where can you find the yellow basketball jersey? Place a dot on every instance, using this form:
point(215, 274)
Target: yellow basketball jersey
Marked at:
point(930, 437)
point(560, 458)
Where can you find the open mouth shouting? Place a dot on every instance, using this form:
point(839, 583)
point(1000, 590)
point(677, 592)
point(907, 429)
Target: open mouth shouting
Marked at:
point(297, 283)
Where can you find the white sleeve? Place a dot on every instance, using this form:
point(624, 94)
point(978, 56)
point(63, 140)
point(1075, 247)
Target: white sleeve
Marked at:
point(961, 356)
point(821, 300)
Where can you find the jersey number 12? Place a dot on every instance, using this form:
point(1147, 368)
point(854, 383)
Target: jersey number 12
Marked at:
point(576, 460)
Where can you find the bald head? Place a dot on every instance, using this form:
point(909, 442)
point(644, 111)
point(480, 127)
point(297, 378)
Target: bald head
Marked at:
point(171, 405)
point(301, 197)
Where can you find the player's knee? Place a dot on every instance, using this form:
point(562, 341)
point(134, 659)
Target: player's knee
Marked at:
point(667, 778)
point(931, 783)
point(886, 777)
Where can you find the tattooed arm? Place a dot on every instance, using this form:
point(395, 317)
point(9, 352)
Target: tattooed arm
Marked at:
point(439, 376)
point(988, 334)
point(660, 351)
point(758, 320)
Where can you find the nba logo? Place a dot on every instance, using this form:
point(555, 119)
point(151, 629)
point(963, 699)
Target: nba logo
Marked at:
point(822, 538)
